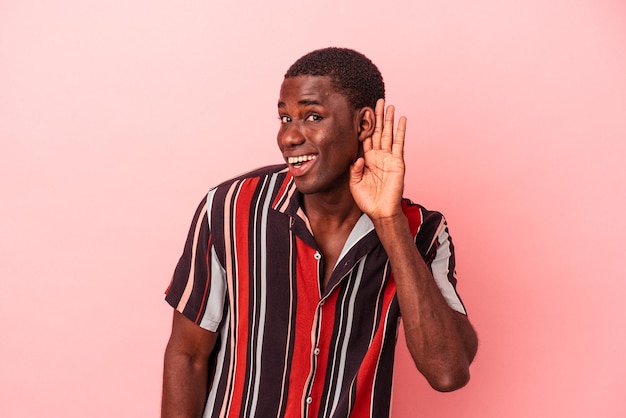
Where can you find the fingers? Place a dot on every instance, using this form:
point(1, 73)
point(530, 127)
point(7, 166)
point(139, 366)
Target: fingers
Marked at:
point(378, 128)
point(397, 148)
point(383, 136)
point(387, 137)
point(356, 170)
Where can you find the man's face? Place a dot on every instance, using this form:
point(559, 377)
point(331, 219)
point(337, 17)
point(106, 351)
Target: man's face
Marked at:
point(318, 135)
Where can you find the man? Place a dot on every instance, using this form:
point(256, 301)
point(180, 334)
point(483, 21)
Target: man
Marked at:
point(293, 277)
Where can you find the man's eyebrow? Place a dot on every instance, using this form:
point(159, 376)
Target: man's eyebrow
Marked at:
point(303, 102)
point(309, 102)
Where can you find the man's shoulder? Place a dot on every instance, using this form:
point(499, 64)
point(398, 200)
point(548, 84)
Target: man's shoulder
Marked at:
point(257, 173)
point(412, 209)
point(263, 182)
point(424, 223)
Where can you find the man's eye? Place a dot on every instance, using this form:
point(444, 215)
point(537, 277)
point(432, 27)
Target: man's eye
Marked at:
point(314, 118)
point(285, 119)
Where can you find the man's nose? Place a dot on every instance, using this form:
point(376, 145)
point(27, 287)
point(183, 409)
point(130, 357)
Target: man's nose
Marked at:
point(292, 134)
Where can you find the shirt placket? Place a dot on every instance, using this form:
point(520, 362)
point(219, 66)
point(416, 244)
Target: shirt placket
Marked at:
point(315, 342)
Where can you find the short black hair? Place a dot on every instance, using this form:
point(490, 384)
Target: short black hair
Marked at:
point(352, 74)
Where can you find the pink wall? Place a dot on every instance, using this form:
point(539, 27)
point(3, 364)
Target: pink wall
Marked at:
point(116, 116)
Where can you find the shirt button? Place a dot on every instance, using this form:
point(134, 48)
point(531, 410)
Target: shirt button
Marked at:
point(309, 400)
point(316, 351)
point(317, 255)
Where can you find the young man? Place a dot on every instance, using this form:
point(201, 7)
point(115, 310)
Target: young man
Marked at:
point(293, 278)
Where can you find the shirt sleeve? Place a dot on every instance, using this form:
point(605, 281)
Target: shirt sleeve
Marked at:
point(198, 286)
point(435, 245)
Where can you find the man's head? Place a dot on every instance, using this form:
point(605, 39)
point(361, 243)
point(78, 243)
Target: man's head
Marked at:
point(352, 74)
point(326, 108)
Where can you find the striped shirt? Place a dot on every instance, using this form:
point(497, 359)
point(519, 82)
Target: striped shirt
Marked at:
point(287, 347)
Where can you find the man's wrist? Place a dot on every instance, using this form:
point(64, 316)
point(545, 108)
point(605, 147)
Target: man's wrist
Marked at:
point(394, 227)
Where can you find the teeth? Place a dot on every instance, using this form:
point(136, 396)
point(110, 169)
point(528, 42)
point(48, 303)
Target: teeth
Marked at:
point(301, 159)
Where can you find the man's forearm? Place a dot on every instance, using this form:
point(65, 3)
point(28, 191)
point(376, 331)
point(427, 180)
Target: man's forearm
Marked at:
point(440, 340)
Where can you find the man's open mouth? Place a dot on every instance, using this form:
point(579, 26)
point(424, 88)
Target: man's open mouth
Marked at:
point(297, 161)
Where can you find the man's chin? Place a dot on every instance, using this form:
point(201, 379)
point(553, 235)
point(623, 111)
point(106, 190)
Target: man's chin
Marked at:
point(304, 187)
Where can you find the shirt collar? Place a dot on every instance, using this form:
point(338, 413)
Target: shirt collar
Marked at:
point(288, 200)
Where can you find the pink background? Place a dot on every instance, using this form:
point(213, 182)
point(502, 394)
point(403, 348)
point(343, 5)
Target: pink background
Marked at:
point(115, 118)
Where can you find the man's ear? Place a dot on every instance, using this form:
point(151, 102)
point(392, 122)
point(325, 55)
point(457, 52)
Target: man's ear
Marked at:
point(366, 122)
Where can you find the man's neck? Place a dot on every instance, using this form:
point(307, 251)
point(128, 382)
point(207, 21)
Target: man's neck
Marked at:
point(332, 218)
point(332, 210)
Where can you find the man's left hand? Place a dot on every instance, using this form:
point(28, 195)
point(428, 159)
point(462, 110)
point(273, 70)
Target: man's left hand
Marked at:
point(377, 178)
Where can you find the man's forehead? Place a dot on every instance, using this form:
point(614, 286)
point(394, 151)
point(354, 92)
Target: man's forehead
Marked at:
point(306, 88)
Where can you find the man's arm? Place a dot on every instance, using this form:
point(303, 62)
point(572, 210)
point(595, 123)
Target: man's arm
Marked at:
point(441, 341)
point(185, 371)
